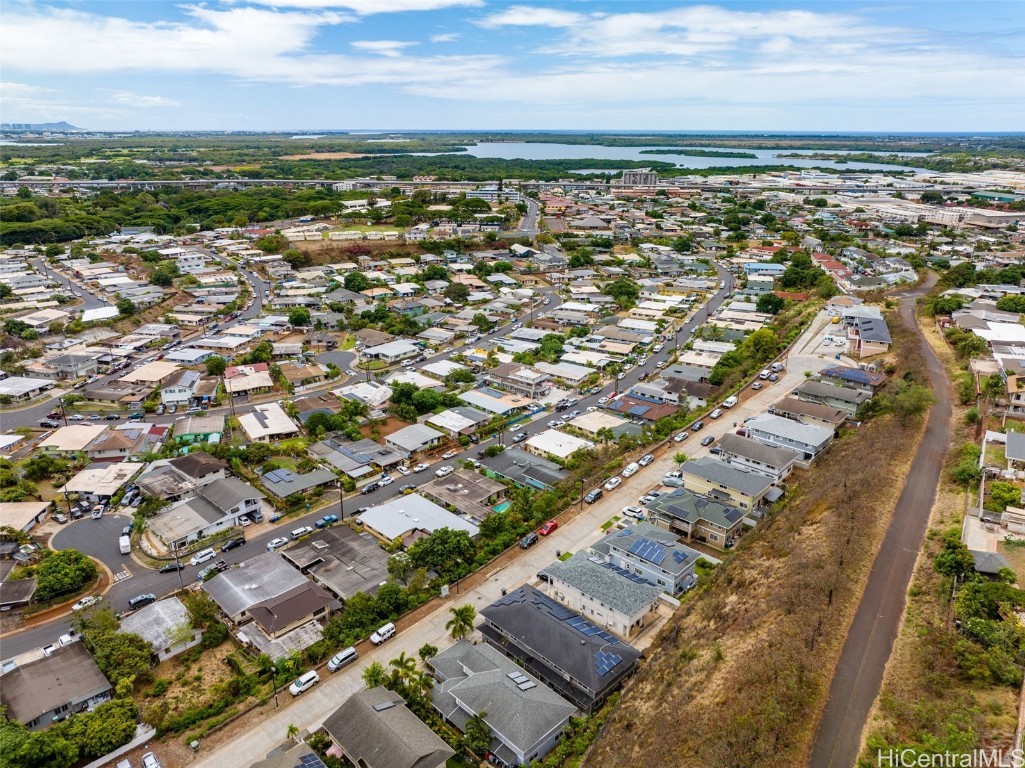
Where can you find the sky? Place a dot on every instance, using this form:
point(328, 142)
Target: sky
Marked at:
point(784, 65)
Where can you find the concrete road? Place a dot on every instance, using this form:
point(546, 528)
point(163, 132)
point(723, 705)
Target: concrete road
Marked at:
point(859, 672)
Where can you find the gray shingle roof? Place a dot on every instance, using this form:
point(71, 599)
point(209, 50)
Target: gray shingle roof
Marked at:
point(225, 493)
point(475, 678)
point(611, 586)
point(689, 507)
point(717, 472)
point(769, 455)
point(381, 736)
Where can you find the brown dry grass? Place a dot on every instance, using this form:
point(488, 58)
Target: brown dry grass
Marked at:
point(922, 692)
point(740, 674)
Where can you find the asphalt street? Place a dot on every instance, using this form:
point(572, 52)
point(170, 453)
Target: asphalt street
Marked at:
point(870, 640)
point(140, 580)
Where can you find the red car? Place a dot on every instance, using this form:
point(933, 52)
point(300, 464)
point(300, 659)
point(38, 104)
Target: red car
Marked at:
point(548, 527)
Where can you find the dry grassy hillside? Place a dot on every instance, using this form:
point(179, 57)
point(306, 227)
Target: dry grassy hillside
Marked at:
point(740, 675)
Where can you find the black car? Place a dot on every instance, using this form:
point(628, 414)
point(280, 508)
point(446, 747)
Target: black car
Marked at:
point(142, 600)
point(697, 426)
point(474, 439)
point(171, 568)
point(593, 496)
point(111, 417)
point(231, 544)
point(708, 440)
point(528, 541)
point(369, 488)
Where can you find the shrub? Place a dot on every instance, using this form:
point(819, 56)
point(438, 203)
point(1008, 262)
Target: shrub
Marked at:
point(62, 573)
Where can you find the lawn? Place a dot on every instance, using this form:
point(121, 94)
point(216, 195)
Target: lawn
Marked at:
point(349, 343)
point(608, 524)
point(1015, 556)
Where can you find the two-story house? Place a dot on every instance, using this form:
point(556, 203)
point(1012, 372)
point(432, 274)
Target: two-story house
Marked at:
point(724, 482)
point(698, 518)
point(743, 452)
point(650, 553)
point(807, 439)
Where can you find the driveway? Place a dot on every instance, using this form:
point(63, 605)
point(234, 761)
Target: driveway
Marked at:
point(859, 671)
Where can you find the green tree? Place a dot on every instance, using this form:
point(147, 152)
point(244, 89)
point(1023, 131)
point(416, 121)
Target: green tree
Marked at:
point(43, 466)
point(461, 623)
point(215, 365)
point(125, 307)
point(374, 675)
point(63, 572)
point(769, 303)
point(356, 281)
point(299, 316)
point(427, 652)
point(954, 560)
point(296, 258)
point(21, 748)
point(457, 292)
point(404, 667)
point(476, 734)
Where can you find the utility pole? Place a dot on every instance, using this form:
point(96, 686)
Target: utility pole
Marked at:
point(177, 562)
point(64, 410)
point(341, 500)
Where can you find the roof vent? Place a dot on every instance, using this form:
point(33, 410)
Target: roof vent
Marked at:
point(383, 706)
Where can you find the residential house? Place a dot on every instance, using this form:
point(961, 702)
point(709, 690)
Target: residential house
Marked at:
point(411, 516)
point(340, 560)
point(743, 452)
point(698, 518)
point(66, 442)
point(282, 483)
point(414, 439)
point(200, 429)
point(526, 719)
point(556, 445)
point(465, 492)
point(374, 729)
point(247, 379)
point(578, 660)
point(166, 625)
point(181, 389)
point(809, 413)
point(808, 440)
point(392, 351)
point(520, 379)
point(459, 421)
point(610, 597)
point(525, 470)
point(648, 553)
point(215, 507)
point(267, 423)
point(847, 399)
point(23, 516)
point(48, 690)
point(99, 483)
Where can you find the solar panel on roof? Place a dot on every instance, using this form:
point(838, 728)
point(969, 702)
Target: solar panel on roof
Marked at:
point(310, 760)
point(638, 410)
point(679, 556)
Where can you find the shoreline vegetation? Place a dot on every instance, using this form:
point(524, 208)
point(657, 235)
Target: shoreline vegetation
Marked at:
point(699, 153)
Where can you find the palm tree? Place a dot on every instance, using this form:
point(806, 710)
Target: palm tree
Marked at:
point(421, 681)
point(404, 665)
point(293, 729)
point(374, 675)
point(461, 623)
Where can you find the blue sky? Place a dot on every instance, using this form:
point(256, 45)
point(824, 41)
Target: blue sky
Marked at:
point(915, 65)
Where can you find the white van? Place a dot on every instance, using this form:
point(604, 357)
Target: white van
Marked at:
point(383, 633)
point(125, 545)
point(202, 557)
point(304, 682)
point(764, 374)
point(631, 469)
point(729, 402)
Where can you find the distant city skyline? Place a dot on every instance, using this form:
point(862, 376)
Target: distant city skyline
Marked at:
point(485, 65)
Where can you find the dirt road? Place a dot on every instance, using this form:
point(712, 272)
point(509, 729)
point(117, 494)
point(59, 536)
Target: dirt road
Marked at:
point(859, 672)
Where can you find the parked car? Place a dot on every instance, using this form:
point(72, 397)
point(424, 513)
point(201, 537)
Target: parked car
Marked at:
point(613, 483)
point(171, 568)
point(304, 682)
point(645, 460)
point(111, 417)
point(708, 440)
point(277, 543)
point(773, 377)
point(326, 520)
point(85, 602)
point(160, 409)
point(757, 385)
point(548, 527)
point(444, 471)
point(76, 417)
point(98, 511)
point(383, 633)
point(301, 531)
point(520, 437)
point(672, 482)
point(421, 468)
point(369, 488)
point(342, 658)
point(403, 470)
point(202, 557)
point(630, 469)
point(647, 499)
point(142, 600)
point(407, 488)
point(680, 437)
point(233, 543)
point(697, 426)
point(635, 512)
point(385, 480)
point(149, 760)
point(528, 541)
point(593, 496)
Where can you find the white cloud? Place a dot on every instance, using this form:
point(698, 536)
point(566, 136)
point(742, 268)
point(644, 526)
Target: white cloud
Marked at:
point(250, 44)
point(448, 37)
point(142, 102)
point(17, 90)
point(391, 48)
point(369, 7)
point(526, 16)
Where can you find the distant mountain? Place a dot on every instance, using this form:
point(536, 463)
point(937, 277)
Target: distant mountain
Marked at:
point(61, 126)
